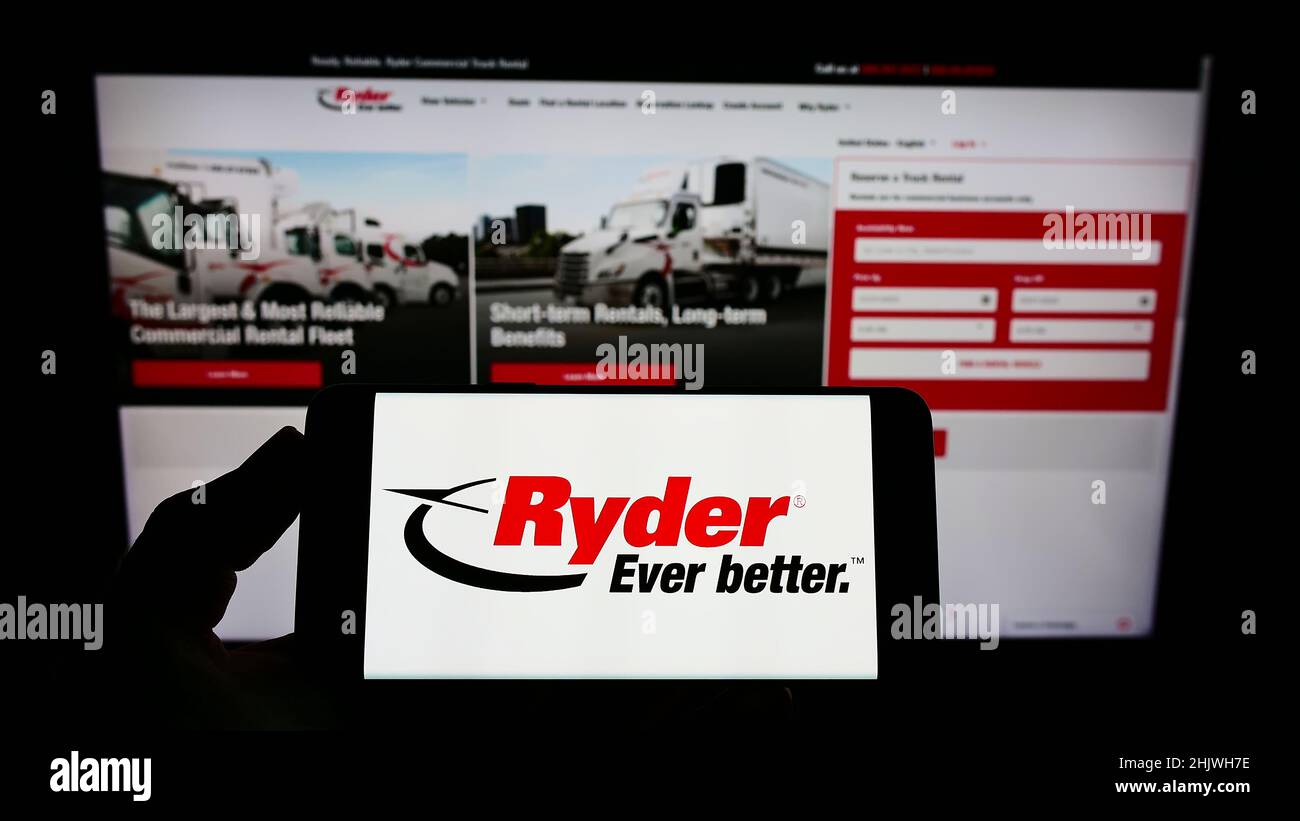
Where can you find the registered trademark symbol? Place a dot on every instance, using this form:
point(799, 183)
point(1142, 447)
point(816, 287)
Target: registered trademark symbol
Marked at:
point(800, 501)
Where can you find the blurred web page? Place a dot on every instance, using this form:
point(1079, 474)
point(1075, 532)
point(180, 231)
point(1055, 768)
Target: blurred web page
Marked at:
point(460, 231)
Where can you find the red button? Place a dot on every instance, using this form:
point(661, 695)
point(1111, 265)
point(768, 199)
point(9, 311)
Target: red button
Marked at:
point(565, 373)
point(224, 373)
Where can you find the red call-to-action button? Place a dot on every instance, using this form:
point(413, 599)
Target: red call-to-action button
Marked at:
point(570, 373)
point(224, 373)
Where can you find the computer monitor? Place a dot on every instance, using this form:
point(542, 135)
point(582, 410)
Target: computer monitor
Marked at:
point(1013, 246)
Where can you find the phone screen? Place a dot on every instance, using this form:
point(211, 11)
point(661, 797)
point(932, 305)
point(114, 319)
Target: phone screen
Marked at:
point(621, 536)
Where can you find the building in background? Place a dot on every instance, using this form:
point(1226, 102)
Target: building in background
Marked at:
point(530, 220)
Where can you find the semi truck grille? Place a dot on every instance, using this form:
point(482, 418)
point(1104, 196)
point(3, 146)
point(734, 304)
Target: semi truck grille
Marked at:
point(573, 269)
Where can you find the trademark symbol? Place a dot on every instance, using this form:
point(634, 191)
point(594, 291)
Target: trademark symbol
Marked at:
point(800, 501)
point(858, 559)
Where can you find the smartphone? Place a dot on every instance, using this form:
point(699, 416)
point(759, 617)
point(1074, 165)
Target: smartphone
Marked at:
point(519, 532)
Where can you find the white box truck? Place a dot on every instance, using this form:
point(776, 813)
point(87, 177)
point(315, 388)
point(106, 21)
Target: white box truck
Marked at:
point(224, 187)
point(399, 272)
point(716, 229)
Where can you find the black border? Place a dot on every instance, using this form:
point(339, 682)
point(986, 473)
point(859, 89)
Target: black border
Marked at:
point(335, 524)
point(808, 63)
point(1050, 713)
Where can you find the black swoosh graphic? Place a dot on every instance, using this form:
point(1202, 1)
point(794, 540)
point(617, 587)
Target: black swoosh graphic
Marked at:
point(423, 551)
point(440, 495)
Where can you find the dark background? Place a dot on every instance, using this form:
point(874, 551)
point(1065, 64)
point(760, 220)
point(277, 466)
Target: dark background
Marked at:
point(1037, 715)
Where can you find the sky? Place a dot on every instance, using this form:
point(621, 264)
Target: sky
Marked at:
point(414, 194)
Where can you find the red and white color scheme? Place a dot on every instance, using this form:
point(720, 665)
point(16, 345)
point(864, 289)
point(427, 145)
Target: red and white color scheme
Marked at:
point(550, 508)
point(968, 306)
point(1047, 369)
point(208, 185)
point(398, 271)
point(1066, 361)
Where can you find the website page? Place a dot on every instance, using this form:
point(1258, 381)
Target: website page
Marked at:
point(1018, 256)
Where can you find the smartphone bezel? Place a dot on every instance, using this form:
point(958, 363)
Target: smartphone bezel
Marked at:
point(334, 529)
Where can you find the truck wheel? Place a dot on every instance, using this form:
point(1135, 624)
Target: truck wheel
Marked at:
point(441, 295)
point(651, 292)
point(284, 294)
point(773, 287)
point(385, 297)
point(751, 290)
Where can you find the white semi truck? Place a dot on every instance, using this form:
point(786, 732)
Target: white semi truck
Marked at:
point(329, 239)
point(716, 229)
point(225, 187)
point(399, 272)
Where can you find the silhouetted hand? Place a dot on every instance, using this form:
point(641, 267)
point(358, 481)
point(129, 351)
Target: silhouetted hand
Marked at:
point(175, 583)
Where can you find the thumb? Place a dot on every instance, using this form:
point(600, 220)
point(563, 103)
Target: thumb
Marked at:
point(185, 559)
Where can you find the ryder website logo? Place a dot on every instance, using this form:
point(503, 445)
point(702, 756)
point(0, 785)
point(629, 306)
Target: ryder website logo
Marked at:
point(348, 100)
point(629, 526)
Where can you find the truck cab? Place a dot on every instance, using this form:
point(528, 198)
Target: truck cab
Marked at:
point(646, 252)
point(400, 274)
point(222, 186)
point(274, 275)
point(314, 233)
point(138, 269)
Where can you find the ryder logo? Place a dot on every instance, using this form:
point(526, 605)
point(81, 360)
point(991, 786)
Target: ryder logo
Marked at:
point(547, 507)
point(351, 100)
point(711, 522)
point(424, 552)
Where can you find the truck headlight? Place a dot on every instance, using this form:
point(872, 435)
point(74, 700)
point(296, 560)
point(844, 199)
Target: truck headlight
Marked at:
point(610, 273)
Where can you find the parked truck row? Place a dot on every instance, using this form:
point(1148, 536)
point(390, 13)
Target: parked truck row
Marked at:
point(312, 252)
point(719, 229)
